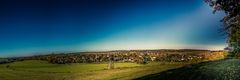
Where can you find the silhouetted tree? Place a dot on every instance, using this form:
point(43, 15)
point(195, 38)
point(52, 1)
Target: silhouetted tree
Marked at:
point(231, 19)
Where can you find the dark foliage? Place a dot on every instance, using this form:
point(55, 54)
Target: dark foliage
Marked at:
point(231, 20)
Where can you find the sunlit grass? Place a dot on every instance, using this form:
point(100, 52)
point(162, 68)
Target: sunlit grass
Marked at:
point(42, 70)
point(43, 66)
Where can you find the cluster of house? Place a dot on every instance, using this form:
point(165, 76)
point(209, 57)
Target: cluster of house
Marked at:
point(129, 56)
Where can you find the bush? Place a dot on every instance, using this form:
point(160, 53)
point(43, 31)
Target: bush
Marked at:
point(236, 50)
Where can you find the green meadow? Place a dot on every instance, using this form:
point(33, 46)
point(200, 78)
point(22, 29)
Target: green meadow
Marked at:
point(42, 70)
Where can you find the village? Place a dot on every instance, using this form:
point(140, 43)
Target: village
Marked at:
point(138, 56)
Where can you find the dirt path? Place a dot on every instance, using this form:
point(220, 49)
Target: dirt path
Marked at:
point(228, 69)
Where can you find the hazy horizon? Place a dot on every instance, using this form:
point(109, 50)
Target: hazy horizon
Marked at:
point(66, 52)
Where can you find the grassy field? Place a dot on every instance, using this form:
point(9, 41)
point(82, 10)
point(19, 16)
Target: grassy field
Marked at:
point(42, 70)
point(226, 69)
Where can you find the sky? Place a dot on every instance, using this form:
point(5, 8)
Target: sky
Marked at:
point(32, 27)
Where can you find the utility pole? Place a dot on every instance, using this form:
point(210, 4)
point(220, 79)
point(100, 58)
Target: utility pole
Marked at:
point(111, 61)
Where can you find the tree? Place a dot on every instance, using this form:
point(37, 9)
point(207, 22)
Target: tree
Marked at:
point(231, 19)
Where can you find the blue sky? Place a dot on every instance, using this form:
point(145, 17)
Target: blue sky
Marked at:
point(30, 27)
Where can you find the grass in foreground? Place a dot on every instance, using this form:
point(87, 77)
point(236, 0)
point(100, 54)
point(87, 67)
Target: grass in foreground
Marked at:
point(42, 70)
point(227, 69)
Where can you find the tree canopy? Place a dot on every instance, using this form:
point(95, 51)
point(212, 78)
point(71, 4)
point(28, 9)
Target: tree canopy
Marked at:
point(231, 19)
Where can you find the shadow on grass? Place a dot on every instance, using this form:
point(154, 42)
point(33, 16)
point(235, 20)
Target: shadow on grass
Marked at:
point(195, 72)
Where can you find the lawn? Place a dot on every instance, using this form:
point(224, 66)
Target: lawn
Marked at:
point(226, 69)
point(42, 70)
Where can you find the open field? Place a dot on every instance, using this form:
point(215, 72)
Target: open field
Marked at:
point(93, 66)
point(42, 70)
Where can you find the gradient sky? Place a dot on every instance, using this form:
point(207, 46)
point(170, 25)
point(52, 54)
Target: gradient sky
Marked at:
point(29, 27)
